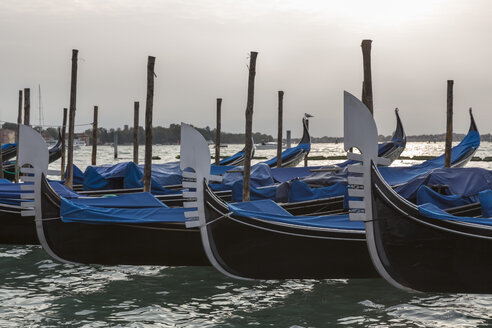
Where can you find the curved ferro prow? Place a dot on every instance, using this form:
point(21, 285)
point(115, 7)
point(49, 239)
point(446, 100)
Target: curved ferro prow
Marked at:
point(33, 161)
point(360, 132)
point(195, 167)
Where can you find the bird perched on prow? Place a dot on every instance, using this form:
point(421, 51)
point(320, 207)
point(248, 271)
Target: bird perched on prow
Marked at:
point(306, 115)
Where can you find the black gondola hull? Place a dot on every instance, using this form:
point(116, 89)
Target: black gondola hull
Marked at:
point(427, 254)
point(259, 249)
point(169, 244)
point(16, 229)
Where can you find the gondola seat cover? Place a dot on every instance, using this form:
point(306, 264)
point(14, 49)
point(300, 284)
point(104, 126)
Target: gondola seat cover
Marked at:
point(232, 158)
point(427, 195)
point(434, 212)
point(486, 203)
point(270, 211)
point(11, 193)
point(457, 181)
point(130, 208)
point(289, 153)
point(9, 145)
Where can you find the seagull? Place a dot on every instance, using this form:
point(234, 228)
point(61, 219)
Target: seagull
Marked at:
point(306, 115)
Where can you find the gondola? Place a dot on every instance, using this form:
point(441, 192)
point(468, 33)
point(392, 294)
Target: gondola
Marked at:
point(245, 247)
point(54, 154)
point(293, 156)
point(414, 247)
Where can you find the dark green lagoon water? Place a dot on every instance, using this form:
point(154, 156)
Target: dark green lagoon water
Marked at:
point(36, 291)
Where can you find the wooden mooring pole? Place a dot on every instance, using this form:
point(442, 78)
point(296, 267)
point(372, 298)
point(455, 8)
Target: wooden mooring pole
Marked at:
point(288, 141)
point(71, 119)
point(367, 83)
point(115, 143)
point(449, 125)
point(148, 123)
point(94, 136)
point(63, 145)
point(280, 127)
point(217, 131)
point(19, 122)
point(306, 158)
point(249, 125)
point(136, 106)
point(27, 106)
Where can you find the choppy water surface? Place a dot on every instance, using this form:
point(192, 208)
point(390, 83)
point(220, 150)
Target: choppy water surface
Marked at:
point(36, 291)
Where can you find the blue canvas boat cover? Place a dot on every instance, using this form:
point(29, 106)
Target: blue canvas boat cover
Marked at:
point(434, 212)
point(466, 182)
point(486, 203)
point(261, 176)
point(10, 193)
point(8, 145)
point(270, 211)
point(427, 195)
point(289, 153)
point(300, 191)
point(226, 161)
point(133, 208)
point(284, 174)
point(128, 175)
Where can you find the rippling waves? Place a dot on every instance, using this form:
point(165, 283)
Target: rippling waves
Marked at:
point(38, 292)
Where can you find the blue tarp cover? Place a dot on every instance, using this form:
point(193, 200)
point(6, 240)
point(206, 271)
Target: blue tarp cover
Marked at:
point(285, 174)
point(232, 158)
point(467, 181)
point(486, 203)
point(10, 192)
point(300, 191)
point(123, 212)
point(290, 152)
point(136, 200)
point(260, 176)
point(276, 213)
point(8, 145)
point(434, 212)
point(427, 195)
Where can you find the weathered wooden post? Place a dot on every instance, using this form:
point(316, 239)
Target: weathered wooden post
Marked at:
point(19, 122)
point(249, 125)
point(94, 136)
point(71, 119)
point(1, 160)
point(367, 83)
point(136, 106)
point(63, 145)
point(148, 123)
point(288, 141)
point(217, 132)
point(306, 158)
point(449, 125)
point(27, 106)
point(115, 143)
point(279, 132)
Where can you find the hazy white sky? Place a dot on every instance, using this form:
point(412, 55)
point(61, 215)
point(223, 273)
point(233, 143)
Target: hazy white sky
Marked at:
point(308, 48)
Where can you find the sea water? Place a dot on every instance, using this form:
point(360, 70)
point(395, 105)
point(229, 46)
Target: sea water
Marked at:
point(36, 291)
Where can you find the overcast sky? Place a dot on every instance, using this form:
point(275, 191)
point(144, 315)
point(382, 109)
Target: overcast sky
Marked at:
point(308, 48)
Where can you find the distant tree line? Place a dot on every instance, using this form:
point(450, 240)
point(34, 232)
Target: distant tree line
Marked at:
point(170, 135)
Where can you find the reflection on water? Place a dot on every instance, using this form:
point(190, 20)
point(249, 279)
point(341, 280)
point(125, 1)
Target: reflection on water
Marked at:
point(36, 291)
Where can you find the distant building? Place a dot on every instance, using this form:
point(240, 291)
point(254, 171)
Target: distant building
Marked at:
point(7, 136)
point(82, 137)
